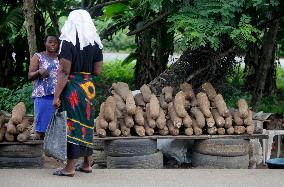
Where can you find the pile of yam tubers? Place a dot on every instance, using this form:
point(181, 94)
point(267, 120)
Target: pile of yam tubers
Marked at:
point(184, 113)
point(15, 126)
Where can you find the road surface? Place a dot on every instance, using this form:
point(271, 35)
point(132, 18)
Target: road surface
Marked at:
point(145, 178)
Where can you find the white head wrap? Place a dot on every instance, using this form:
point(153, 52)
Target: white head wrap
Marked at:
point(80, 22)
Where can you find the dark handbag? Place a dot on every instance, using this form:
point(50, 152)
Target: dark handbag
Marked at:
point(55, 140)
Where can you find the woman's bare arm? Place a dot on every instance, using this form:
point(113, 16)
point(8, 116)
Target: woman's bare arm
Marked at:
point(62, 78)
point(98, 68)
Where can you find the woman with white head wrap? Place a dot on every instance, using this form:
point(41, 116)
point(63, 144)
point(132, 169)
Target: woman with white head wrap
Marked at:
point(80, 60)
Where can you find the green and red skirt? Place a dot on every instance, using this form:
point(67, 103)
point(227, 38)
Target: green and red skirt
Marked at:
point(78, 98)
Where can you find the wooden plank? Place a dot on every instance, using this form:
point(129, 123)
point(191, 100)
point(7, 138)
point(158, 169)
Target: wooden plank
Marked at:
point(243, 136)
point(30, 142)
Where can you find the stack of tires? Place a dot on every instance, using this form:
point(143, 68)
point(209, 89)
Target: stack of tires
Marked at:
point(133, 154)
point(221, 153)
point(21, 155)
point(99, 156)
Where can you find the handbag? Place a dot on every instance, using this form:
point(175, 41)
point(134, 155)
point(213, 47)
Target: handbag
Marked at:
point(55, 140)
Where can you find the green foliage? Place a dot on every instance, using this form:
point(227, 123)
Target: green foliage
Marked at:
point(9, 98)
point(115, 72)
point(205, 22)
point(112, 72)
point(233, 92)
point(244, 33)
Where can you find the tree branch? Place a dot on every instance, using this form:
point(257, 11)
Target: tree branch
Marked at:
point(225, 53)
point(106, 4)
point(150, 24)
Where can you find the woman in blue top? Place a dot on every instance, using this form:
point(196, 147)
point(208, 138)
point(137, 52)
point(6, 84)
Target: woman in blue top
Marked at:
point(43, 72)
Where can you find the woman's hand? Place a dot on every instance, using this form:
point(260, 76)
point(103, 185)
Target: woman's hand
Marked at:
point(56, 103)
point(43, 73)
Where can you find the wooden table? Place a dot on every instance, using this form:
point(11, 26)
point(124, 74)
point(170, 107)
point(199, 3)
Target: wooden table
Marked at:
point(201, 137)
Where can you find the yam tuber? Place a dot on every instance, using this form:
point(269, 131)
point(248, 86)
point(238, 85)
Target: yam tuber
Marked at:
point(24, 136)
point(139, 100)
point(174, 131)
point(163, 103)
point(179, 104)
point(121, 89)
point(188, 131)
point(210, 122)
point(2, 133)
point(23, 125)
point(139, 118)
point(161, 121)
point(221, 131)
point(230, 130)
point(237, 119)
point(116, 133)
point(154, 107)
point(212, 130)
point(197, 130)
point(150, 121)
point(112, 126)
point(250, 129)
point(128, 121)
point(187, 90)
point(164, 131)
point(9, 137)
point(10, 127)
point(209, 90)
point(199, 117)
point(177, 121)
point(109, 109)
point(120, 103)
point(204, 104)
point(221, 106)
point(148, 130)
point(193, 101)
point(18, 113)
point(168, 93)
point(130, 104)
point(228, 122)
point(187, 122)
point(146, 93)
point(243, 108)
point(239, 129)
point(140, 130)
point(219, 120)
point(248, 121)
point(124, 130)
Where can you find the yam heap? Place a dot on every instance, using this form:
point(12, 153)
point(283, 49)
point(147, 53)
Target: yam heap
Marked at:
point(183, 113)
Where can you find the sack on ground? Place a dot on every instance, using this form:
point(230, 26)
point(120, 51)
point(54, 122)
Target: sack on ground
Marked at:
point(55, 140)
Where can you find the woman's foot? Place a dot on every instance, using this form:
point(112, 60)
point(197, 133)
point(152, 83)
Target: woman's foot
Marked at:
point(84, 168)
point(63, 172)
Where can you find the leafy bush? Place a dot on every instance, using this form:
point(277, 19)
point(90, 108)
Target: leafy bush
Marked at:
point(9, 98)
point(112, 72)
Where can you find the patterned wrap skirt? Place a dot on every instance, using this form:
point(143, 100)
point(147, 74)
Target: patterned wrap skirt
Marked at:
point(78, 98)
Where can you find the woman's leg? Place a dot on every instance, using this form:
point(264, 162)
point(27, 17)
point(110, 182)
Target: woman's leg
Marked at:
point(87, 163)
point(70, 166)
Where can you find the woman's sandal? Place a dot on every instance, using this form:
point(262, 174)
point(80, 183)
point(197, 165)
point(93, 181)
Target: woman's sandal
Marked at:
point(80, 168)
point(60, 173)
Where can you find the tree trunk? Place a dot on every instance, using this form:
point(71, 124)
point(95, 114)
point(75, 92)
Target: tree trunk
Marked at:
point(144, 66)
point(6, 66)
point(195, 67)
point(148, 66)
point(53, 17)
point(266, 62)
point(29, 11)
